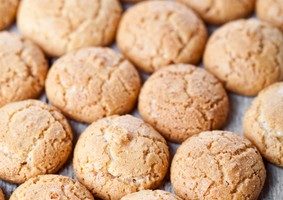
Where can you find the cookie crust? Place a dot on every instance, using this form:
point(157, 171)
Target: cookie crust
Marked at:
point(236, 169)
point(35, 139)
point(152, 195)
point(119, 155)
point(8, 10)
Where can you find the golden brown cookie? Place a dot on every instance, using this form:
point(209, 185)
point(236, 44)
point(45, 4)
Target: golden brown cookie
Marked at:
point(92, 83)
point(35, 139)
point(1, 195)
point(23, 68)
point(263, 123)
point(270, 11)
point(217, 165)
point(182, 100)
point(151, 195)
point(49, 187)
point(8, 10)
point(247, 55)
point(119, 155)
point(221, 11)
point(59, 26)
point(153, 34)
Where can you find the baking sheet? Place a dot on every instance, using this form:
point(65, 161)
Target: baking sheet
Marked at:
point(273, 189)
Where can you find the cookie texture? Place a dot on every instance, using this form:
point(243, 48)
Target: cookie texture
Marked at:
point(152, 195)
point(235, 171)
point(221, 11)
point(23, 68)
point(195, 102)
point(270, 11)
point(247, 55)
point(153, 34)
point(59, 26)
point(1, 195)
point(51, 187)
point(93, 83)
point(8, 10)
point(263, 123)
point(34, 138)
point(119, 155)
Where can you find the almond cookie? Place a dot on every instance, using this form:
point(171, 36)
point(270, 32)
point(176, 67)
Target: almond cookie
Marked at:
point(59, 26)
point(23, 68)
point(195, 102)
point(1, 195)
point(93, 83)
point(50, 187)
point(35, 139)
point(263, 123)
point(119, 155)
point(152, 195)
point(153, 34)
point(221, 11)
point(8, 10)
point(247, 55)
point(217, 165)
point(270, 11)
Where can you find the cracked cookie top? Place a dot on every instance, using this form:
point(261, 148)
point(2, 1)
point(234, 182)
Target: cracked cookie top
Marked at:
point(152, 195)
point(247, 55)
point(23, 68)
point(153, 34)
point(270, 11)
point(221, 11)
point(51, 187)
point(8, 10)
point(119, 155)
point(195, 102)
point(92, 83)
point(59, 26)
point(35, 138)
point(217, 165)
point(263, 123)
point(1, 195)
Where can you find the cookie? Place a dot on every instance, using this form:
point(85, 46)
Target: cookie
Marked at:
point(23, 68)
point(1, 195)
point(51, 187)
point(119, 155)
point(217, 165)
point(270, 11)
point(8, 10)
point(59, 26)
point(153, 34)
point(263, 123)
point(246, 55)
point(152, 195)
point(195, 102)
point(218, 12)
point(34, 138)
point(92, 83)
point(131, 1)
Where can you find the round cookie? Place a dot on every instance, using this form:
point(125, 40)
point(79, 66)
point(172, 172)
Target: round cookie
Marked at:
point(59, 26)
point(119, 155)
point(247, 55)
point(270, 11)
point(263, 123)
point(51, 187)
point(8, 10)
point(195, 102)
point(35, 139)
point(153, 34)
point(92, 83)
point(221, 11)
point(152, 195)
point(23, 68)
point(1, 195)
point(217, 165)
